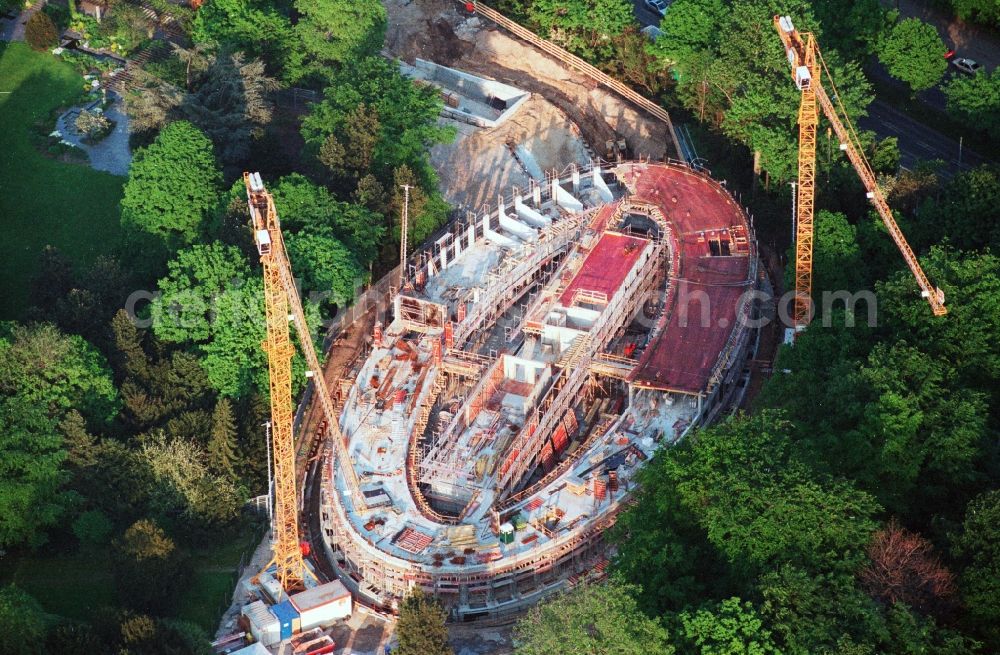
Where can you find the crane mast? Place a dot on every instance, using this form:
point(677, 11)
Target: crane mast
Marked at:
point(807, 62)
point(282, 304)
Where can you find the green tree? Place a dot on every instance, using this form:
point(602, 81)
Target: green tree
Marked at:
point(211, 299)
point(814, 613)
point(852, 27)
point(223, 457)
point(231, 105)
point(732, 72)
point(93, 529)
point(256, 28)
point(407, 118)
point(185, 495)
point(981, 11)
point(196, 279)
point(150, 571)
point(584, 27)
point(326, 267)
point(336, 32)
point(427, 211)
point(927, 440)
point(40, 32)
point(173, 186)
point(966, 212)
point(307, 207)
point(837, 261)
point(977, 548)
point(758, 504)
point(689, 28)
point(421, 629)
point(911, 51)
point(31, 476)
point(350, 155)
point(730, 627)
point(967, 340)
point(81, 446)
point(22, 620)
point(74, 639)
point(596, 619)
point(56, 371)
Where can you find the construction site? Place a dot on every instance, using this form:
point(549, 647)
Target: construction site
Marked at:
point(481, 413)
point(537, 354)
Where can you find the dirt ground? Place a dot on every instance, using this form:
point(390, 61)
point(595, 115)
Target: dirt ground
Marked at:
point(479, 164)
point(566, 109)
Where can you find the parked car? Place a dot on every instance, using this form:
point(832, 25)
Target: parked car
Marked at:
point(967, 65)
point(659, 7)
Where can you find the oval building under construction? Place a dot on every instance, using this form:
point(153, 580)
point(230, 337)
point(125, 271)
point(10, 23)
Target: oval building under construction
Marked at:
point(537, 355)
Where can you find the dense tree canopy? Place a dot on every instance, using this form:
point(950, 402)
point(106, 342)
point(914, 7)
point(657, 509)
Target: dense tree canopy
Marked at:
point(22, 619)
point(976, 101)
point(407, 119)
point(977, 547)
point(311, 208)
point(31, 475)
point(330, 273)
point(598, 619)
point(584, 27)
point(732, 72)
point(254, 27)
point(149, 569)
point(173, 186)
point(731, 627)
point(913, 52)
point(421, 627)
point(339, 31)
point(55, 371)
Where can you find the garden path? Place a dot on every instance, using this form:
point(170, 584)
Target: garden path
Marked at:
point(111, 153)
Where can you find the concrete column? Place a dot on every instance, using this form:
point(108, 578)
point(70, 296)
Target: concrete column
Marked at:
point(576, 179)
point(536, 193)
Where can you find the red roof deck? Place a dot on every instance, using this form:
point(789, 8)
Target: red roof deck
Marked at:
point(707, 225)
point(606, 266)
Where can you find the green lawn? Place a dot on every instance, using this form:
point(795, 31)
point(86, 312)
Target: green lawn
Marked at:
point(43, 201)
point(66, 585)
point(211, 589)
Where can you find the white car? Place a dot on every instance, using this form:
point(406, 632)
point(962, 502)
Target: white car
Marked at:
point(967, 65)
point(658, 7)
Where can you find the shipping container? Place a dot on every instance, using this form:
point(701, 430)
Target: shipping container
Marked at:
point(323, 604)
point(263, 623)
point(288, 619)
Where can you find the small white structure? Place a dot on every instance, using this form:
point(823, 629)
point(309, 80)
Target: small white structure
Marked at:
point(263, 623)
point(255, 648)
point(322, 605)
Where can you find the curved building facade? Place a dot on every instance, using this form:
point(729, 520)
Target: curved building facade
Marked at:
point(538, 353)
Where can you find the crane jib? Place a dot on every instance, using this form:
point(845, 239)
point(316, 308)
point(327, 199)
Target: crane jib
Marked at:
point(806, 63)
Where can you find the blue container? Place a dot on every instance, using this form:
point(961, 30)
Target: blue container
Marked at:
point(288, 618)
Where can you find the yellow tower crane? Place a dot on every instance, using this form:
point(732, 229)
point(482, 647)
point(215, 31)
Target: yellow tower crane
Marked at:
point(282, 304)
point(807, 63)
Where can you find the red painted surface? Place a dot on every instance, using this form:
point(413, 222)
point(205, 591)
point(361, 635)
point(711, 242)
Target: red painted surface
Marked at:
point(606, 266)
point(683, 356)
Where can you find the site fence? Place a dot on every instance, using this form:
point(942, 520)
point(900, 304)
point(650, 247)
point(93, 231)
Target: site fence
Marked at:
point(587, 69)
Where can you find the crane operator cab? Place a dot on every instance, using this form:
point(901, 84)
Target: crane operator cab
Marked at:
point(263, 239)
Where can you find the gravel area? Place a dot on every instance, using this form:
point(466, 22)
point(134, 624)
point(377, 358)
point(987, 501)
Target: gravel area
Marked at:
point(111, 153)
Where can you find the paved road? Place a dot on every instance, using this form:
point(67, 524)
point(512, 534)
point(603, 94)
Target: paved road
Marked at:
point(916, 140)
point(12, 29)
